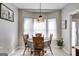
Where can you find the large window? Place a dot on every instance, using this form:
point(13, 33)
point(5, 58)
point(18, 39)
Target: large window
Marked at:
point(52, 27)
point(46, 28)
point(40, 27)
point(28, 26)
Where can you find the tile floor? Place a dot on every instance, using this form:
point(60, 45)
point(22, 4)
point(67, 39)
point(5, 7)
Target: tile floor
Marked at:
point(73, 52)
point(56, 52)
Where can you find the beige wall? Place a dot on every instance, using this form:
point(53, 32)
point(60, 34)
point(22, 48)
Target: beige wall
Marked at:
point(75, 17)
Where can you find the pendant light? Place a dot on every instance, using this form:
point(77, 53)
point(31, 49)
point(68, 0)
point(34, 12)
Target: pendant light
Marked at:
point(40, 17)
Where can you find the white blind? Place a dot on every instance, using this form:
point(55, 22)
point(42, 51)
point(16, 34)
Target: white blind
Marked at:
point(40, 27)
point(52, 27)
point(28, 26)
point(47, 27)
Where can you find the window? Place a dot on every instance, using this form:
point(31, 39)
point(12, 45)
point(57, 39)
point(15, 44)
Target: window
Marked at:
point(46, 28)
point(52, 27)
point(74, 33)
point(28, 26)
point(40, 27)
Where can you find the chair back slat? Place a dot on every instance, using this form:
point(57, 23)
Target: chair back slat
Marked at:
point(25, 38)
point(38, 42)
point(38, 34)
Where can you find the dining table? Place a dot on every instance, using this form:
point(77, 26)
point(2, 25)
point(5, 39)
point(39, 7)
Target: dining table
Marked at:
point(46, 42)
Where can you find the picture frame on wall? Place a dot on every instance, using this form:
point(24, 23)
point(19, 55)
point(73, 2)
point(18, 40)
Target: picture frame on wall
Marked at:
point(6, 13)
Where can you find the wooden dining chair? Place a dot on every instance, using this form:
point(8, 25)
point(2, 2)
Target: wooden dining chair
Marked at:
point(49, 44)
point(38, 46)
point(25, 38)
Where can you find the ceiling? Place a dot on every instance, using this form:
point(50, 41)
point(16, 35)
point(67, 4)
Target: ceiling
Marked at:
point(46, 7)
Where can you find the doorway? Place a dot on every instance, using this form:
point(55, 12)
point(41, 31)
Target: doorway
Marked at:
point(75, 32)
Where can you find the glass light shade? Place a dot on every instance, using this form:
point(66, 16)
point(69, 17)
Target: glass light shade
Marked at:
point(40, 18)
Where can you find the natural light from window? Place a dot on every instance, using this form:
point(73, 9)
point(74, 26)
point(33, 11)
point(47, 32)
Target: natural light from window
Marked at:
point(47, 27)
point(52, 27)
point(40, 27)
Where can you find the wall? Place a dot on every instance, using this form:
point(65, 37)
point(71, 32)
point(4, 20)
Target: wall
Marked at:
point(77, 41)
point(66, 33)
point(9, 31)
point(75, 17)
point(23, 14)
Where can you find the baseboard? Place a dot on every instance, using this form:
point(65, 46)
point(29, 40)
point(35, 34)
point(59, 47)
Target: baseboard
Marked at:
point(13, 50)
point(66, 51)
point(55, 46)
point(21, 47)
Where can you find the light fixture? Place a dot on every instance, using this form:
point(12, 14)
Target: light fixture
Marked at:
point(40, 17)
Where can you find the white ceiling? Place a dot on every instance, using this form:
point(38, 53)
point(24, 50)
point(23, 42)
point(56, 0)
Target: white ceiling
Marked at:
point(38, 10)
point(37, 5)
point(48, 6)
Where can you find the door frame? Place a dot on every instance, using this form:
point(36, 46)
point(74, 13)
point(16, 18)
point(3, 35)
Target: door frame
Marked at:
point(70, 15)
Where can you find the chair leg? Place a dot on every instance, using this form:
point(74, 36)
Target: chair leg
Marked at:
point(43, 52)
point(28, 49)
point(50, 49)
point(31, 51)
point(24, 51)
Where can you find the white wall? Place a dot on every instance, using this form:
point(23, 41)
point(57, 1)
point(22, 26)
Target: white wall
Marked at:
point(9, 31)
point(66, 33)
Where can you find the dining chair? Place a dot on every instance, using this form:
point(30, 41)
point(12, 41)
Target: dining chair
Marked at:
point(25, 38)
point(38, 34)
point(38, 46)
point(49, 44)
